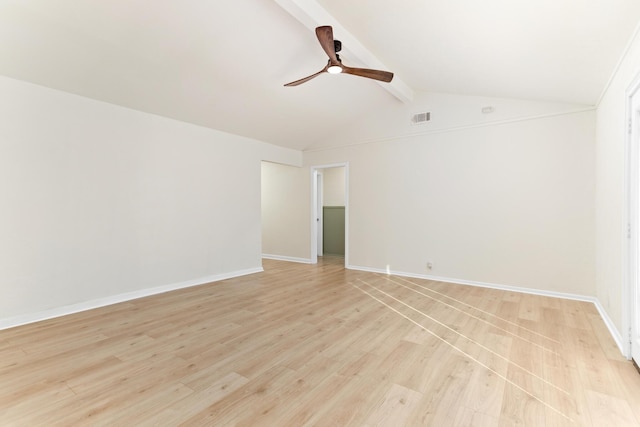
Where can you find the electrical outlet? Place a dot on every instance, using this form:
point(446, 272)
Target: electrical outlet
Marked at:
point(429, 265)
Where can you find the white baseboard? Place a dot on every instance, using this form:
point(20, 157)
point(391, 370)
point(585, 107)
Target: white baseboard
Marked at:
point(615, 334)
point(287, 258)
point(115, 299)
point(477, 284)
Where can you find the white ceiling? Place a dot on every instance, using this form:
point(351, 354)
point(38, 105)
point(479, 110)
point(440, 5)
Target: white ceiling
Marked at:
point(223, 63)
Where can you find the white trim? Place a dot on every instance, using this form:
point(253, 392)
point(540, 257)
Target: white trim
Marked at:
point(628, 266)
point(477, 284)
point(454, 129)
point(615, 334)
point(631, 227)
point(319, 213)
point(287, 258)
point(347, 213)
point(24, 319)
point(313, 241)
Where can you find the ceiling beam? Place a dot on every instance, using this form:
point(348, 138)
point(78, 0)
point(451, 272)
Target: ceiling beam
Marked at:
point(312, 15)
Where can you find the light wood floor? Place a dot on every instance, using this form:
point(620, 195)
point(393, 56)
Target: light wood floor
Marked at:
point(318, 345)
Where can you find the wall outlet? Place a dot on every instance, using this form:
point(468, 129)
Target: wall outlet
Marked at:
point(429, 265)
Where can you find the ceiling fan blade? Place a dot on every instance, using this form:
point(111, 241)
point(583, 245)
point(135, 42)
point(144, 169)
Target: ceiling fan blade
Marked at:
point(325, 37)
point(384, 76)
point(306, 79)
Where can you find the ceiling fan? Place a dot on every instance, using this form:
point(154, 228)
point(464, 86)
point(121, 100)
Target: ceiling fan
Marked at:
point(334, 66)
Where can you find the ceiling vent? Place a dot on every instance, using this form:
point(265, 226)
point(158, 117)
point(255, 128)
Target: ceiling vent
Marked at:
point(420, 118)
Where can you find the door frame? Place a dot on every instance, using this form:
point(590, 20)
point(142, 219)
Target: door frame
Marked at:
point(319, 213)
point(314, 208)
point(631, 280)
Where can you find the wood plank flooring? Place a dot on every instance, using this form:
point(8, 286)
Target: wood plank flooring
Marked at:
point(318, 345)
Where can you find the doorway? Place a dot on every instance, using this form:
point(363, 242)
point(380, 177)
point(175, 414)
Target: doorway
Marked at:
point(330, 199)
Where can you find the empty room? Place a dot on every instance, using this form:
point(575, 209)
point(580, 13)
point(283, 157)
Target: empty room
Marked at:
point(319, 213)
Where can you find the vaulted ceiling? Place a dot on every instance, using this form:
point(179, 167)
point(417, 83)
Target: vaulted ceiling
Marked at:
point(223, 63)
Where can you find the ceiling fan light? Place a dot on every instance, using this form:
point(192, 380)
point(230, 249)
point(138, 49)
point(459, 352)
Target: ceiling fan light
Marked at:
point(334, 69)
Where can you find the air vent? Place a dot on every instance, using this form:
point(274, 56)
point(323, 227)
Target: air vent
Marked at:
point(420, 118)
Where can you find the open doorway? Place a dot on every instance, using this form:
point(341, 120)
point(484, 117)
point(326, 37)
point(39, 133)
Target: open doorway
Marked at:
point(330, 211)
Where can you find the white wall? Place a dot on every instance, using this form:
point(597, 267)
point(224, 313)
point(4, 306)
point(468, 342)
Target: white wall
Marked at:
point(286, 208)
point(333, 181)
point(99, 201)
point(610, 190)
point(508, 204)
